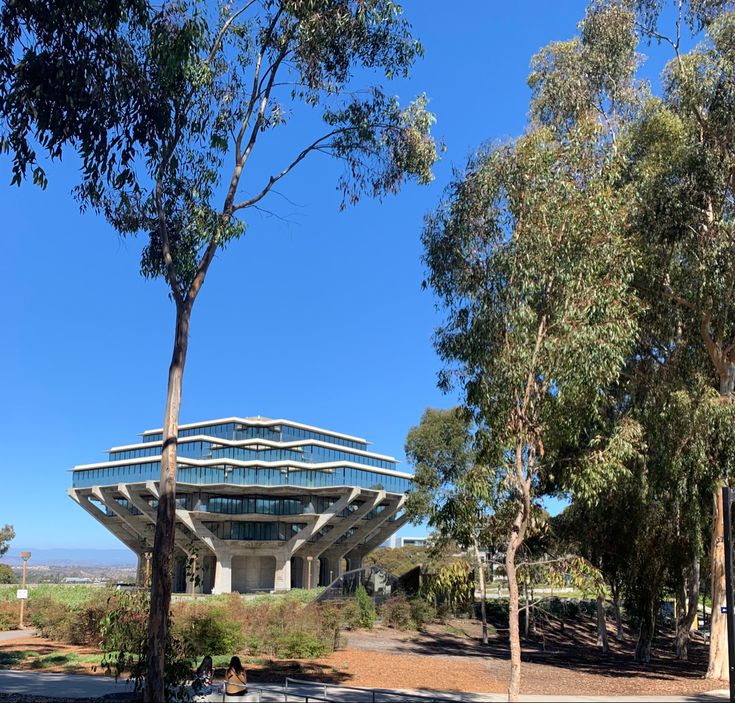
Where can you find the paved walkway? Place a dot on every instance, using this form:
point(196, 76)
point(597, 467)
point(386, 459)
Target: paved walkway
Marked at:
point(34, 683)
point(10, 635)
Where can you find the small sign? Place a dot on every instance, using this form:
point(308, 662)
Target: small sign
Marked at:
point(22, 593)
point(723, 609)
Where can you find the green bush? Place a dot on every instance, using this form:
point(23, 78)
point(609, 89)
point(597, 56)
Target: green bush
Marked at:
point(396, 613)
point(300, 645)
point(350, 614)
point(422, 612)
point(79, 624)
point(367, 608)
point(204, 630)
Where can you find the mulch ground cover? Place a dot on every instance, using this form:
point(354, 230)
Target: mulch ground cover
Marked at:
point(451, 657)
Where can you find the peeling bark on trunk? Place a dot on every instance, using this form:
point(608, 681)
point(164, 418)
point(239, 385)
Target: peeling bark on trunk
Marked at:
point(718, 659)
point(687, 602)
point(602, 625)
point(163, 545)
point(483, 607)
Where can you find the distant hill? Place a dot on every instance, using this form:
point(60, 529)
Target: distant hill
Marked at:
point(72, 557)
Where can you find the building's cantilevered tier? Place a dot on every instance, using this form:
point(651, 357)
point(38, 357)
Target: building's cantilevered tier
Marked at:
point(261, 504)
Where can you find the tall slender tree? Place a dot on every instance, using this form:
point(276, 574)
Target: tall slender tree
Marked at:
point(197, 92)
point(529, 256)
point(451, 489)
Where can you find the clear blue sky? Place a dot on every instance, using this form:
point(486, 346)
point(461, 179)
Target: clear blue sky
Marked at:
point(318, 317)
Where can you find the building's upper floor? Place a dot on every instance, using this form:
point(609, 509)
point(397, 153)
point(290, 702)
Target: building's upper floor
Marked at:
point(251, 451)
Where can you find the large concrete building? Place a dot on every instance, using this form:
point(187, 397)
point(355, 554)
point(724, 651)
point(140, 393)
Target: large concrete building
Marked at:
point(261, 504)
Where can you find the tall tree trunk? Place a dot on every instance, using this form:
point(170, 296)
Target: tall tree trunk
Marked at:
point(163, 545)
point(514, 686)
point(518, 532)
point(646, 632)
point(483, 608)
point(527, 609)
point(619, 636)
point(602, 625)
point(718, 659)
point(687, 603)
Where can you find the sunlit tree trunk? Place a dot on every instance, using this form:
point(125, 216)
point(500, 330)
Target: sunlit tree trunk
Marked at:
point(481, 574)
point(517, 534)
point(163, 546)
point(687, 602)
point(602, 624)
point(718, 658)
point(619, 636)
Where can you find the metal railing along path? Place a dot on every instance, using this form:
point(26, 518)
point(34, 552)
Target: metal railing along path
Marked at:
point(297, 690)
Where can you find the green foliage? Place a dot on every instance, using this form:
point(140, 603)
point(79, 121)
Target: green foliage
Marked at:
point(451, 587)
point(300, 645)
point(77, 623)
point(398, 561)
point(123, 632)
point(7, 533)
point(450, 489)
point(422, 612)
point(396, 613)
point(350, 614)
point(366, 608)
point(205, 630)
point(9, 615)
point(7, 575)
point(402, 613)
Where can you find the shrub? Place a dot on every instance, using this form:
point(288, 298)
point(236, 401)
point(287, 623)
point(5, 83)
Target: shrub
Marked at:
point(366, 606)
point(350, 614)
point(396, 613)
point(204, 629)
point(422, 612)
point(9, 616)
point(300, 645)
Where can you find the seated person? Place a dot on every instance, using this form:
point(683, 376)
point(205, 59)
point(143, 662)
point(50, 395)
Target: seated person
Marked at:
point(203, 676)
point(235, 679)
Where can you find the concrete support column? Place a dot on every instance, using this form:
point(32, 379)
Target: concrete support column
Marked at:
point(223, 574)
point(282, 581)
point(140, 572)
point(355, 560)
point(334, 567)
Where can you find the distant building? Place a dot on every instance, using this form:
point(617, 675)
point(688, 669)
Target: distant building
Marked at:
point(261, 504)
point(395, 542)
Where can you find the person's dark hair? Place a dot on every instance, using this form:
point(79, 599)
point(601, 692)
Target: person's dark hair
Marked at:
point(235, 665)
point(205, 667)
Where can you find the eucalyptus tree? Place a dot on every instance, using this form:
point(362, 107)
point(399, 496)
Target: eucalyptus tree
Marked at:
point(682, 156)
point(198, 90)
point(528, 254)
point(450, 487)
point(678, 148)
point(7, 535)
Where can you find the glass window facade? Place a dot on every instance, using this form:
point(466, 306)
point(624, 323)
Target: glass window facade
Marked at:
point(255, 531)
point(244, 476)
point(288, 471)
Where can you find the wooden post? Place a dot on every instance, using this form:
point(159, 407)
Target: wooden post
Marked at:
point(25, 556)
